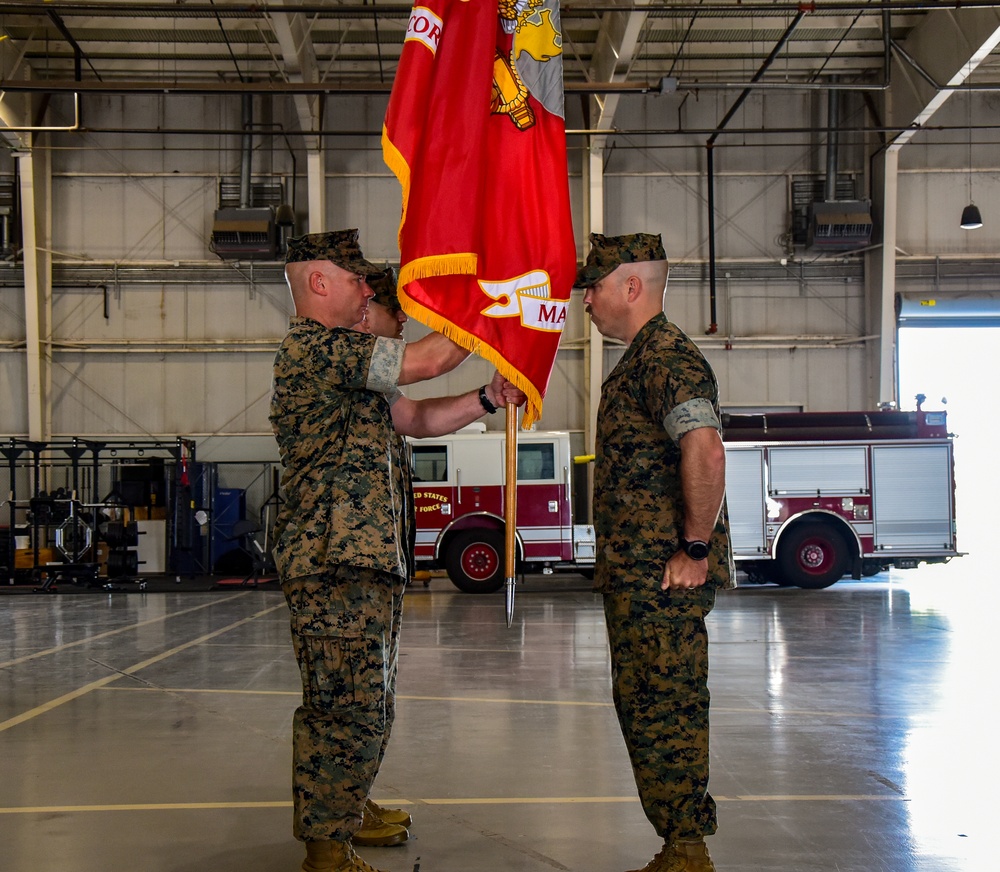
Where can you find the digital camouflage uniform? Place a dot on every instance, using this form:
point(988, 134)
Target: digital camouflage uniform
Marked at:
point(384, 286)
point(661, 389)
point(339, 546)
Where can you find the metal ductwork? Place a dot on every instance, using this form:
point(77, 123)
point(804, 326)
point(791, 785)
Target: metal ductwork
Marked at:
point(245, 231)
point(245, 234)
point(8, 218)
point(840, 226)
point(837, 225)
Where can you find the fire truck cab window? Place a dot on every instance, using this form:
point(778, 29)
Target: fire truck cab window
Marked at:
point(536, 461)
point(430, 462)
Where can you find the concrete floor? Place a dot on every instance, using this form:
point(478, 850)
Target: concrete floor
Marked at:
point(853, 729)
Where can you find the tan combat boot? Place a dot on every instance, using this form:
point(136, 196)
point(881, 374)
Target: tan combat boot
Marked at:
point(376, 832)
point(333, 857)
point(390, 815)
point(694, 855)
point(681, 856)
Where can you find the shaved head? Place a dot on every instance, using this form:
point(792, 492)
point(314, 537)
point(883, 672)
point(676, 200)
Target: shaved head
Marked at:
point(652, 272)
point(624, 299)
point(327, 293)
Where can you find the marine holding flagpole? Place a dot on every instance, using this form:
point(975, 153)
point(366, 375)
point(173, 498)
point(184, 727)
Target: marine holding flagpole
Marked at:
point(340, 541)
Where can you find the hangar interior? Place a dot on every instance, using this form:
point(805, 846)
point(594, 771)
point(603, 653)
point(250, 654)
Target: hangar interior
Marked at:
point(809, 166)
point(129, 131)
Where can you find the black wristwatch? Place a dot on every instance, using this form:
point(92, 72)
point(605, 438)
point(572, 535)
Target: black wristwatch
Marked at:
point(696, 549)
point(485, 401)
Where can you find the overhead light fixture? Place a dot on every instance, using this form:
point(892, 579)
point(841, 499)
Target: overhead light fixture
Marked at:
point(971, 219)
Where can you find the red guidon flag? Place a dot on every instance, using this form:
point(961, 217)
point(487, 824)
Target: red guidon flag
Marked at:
point(476, 136)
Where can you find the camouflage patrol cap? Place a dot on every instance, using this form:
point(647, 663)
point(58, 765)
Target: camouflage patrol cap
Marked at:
point(607, 253)
point(384, 286)
point(337, 246)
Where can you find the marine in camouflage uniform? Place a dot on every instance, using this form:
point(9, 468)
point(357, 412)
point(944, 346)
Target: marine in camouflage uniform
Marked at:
point(340, 538)
point(337, 549)
point(389, 323)
point(661, 390)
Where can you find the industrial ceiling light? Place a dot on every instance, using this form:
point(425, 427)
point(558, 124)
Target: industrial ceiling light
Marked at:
point(971, 219)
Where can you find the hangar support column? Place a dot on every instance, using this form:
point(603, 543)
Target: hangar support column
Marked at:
point(34, 173)
point(292, 31)
point(882, 296)
point(614, 51)
point(593, 211)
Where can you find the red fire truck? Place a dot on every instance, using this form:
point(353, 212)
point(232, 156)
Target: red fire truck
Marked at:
point(811, 496)
point(458, 489)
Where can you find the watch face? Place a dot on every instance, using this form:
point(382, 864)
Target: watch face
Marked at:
point(696, 550)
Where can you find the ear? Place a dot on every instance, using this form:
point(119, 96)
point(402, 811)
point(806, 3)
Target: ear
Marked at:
point(318, 283)
point(633, 287)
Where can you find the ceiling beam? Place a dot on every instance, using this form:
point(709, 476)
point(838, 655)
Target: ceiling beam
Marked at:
point(293, 34)
point(14, 113)
point(744, 8)
point(940, 55)
point(300, 67)
point(611, 61)
point(139, 86)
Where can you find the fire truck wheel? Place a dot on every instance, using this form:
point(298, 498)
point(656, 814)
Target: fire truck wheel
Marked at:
point(475, 561)
point(812, 556)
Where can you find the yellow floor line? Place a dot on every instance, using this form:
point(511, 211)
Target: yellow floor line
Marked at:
point(58, 648)
point(570, 800)
point(505, 701)
point(835, 797)
point(131, 670)
point(477, 699)
point(512, 800)
point(716, 710)
point(143, 806)
point(207, 690)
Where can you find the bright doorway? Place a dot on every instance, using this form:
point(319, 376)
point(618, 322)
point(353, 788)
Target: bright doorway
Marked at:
point(962, 365)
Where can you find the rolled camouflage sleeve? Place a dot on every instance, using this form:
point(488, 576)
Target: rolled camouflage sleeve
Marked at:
point(386, 364)
point(690, 415)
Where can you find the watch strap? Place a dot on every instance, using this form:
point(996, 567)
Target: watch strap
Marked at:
point(485, 401)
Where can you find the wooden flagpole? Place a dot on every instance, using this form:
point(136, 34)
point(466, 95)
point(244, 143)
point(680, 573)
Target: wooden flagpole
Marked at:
point(510, 509)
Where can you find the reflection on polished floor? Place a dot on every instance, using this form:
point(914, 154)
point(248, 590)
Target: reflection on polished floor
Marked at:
point(853, 729)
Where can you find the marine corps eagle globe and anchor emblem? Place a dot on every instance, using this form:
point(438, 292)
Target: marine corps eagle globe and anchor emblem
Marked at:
point(535, 35)
point(535, 41)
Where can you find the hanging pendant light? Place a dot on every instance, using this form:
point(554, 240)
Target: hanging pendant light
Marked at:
point(971, 219)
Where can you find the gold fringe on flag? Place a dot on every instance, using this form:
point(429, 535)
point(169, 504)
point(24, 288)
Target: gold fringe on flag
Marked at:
point(401, 170)
point(460, 263)
point(475, 345)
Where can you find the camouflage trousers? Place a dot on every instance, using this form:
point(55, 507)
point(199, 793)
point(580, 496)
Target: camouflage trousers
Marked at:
point(659, 673)
point(345, 631)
